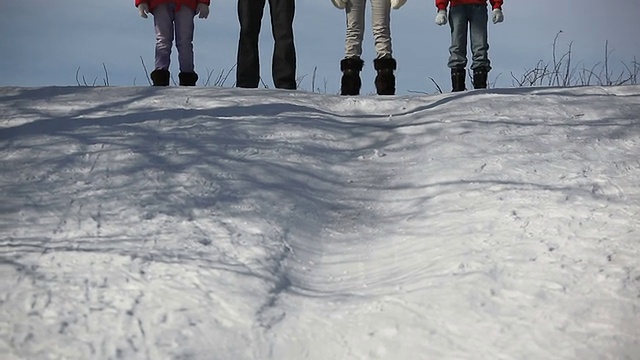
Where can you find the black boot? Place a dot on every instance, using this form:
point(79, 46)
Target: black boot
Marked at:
point(480, 78)
point(188, 78)
point(385, 80)
point(458, 79)
point(350, 82)
point(160, 77)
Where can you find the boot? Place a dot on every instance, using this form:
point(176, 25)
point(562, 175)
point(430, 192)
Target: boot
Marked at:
point(350, 82)
point(160, 77)
point(187, 78)
point(480, 78)
point(458, 79)
point(385, 80)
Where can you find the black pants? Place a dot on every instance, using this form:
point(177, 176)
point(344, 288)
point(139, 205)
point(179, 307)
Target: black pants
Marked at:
point(283, 66)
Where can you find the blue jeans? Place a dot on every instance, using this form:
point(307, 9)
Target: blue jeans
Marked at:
point(471, 19)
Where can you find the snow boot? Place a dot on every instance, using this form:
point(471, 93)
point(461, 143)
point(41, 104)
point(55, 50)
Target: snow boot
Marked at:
point(458, 79)
point(385, 80)
point(480, 78)
point(160, 77)
point(187, 78)
point(350, 83)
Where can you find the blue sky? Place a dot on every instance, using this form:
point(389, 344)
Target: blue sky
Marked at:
point(43, 42)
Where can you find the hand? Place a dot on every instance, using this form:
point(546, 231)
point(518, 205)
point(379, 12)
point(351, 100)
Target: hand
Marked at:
point(441, 18)
point(397, 4)
point(202, 10)
point(498, 16)
point(340, 4)
point(143, 9)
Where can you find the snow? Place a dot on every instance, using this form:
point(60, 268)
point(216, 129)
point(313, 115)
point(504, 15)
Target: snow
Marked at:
point(222, 223)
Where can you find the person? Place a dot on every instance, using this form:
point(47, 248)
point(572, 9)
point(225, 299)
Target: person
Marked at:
point(384, 63)
point(283, 64)
point(472, 16)
point(174, 17)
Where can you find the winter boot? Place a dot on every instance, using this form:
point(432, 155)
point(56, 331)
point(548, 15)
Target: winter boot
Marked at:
point(458, 79)
point(480, 78)
point(350, 82)
point(187, 78)
point(160, 77)
point(385, 80)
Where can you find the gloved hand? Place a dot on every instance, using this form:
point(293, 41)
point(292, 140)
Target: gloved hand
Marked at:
point(340, 4)
point(441, 18)
point(143, 9)
point(397, 4)
point(202, 10)
point(498, 16)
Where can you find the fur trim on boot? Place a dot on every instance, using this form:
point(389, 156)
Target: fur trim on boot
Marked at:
point(458, 79)
point(385, 79)
point(350, 83)
point(480, 78)
point(160, 77)
point(187, 78)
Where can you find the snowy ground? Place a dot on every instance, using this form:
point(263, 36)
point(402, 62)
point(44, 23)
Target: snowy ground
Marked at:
point(204, 223)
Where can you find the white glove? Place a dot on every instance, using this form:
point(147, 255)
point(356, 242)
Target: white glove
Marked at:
point(441, 18)
point(340, 4)
point(397, 4)
point(498, 16)
point(143, 9)
point(202, 10)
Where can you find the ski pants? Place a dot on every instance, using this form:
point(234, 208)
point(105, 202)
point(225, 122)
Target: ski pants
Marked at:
point(283, 63)
point(168, 23)
point(380, 24)
point(472, 20)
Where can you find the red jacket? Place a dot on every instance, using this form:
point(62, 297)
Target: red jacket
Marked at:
point(190, 3)
point(442, 4)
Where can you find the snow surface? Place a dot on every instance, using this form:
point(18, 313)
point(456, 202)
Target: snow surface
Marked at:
point(221, 223)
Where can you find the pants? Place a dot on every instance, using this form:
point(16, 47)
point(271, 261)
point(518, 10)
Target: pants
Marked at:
point(167, 23)
point(473, 19)
point(283, 63)
point(380, 21)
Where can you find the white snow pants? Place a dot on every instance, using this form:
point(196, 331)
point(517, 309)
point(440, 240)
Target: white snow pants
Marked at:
point(380, 24)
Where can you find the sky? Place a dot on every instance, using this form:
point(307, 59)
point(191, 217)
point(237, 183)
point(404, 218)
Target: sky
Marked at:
point(224, 223)
point(66, 42)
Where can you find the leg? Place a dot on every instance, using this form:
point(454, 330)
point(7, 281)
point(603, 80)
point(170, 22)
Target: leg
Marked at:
point(458, 23)
point(163, 19)
point(480, 46)
point(283, 65)
point(248, 64)
point(479, 39)
point(355, 28)
point(381, 26)
point(163, 22)
point(184, 37)
point(384, 63)
point(351, 65)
